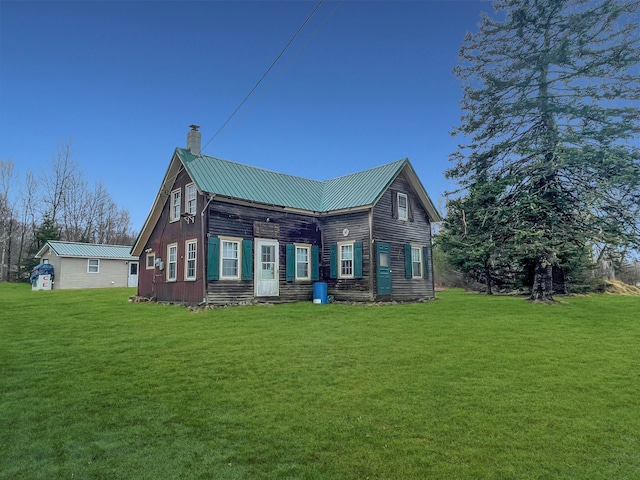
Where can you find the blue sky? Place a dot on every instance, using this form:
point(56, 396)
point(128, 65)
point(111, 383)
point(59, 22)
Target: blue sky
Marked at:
point(364, 84)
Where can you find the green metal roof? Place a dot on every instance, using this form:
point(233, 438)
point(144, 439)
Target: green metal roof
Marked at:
point(230, 179)
point(89, 250)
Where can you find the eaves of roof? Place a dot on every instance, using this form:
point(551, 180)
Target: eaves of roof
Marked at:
point(88, 250)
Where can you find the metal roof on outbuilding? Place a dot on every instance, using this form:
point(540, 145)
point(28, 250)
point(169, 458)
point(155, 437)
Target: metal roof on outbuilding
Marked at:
point(87, 250)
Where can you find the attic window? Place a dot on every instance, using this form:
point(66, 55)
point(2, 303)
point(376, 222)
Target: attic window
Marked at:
point(176, 199)
point(403, 206)
point(191, 199)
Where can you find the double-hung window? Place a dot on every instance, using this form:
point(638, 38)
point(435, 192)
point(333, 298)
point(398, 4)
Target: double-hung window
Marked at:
point(346, 260)
point(403, 206)
point(172, 262)
point(416, 261)
point(93, 265)
point(230, 259)
point(302, 262)
point(191, 199)
point(176, 199)
point(191, 249)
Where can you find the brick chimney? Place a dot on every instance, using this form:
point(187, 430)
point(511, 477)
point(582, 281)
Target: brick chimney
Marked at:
point(194, 139)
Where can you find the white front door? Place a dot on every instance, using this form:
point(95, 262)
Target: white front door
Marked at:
point(267, 268)
point(132, 279)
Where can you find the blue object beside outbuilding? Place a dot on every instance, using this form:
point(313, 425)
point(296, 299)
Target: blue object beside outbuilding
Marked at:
point(41, 269)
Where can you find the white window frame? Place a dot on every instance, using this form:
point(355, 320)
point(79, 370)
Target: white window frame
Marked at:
point(403, 211)
point(191, 257)
point(192, 199)
point(93, 267)
point(303, 247)
point(420, 262)
point(151, 261)
point(176, 205)
point(238, 259)
point(172, 261)
point(342, 267)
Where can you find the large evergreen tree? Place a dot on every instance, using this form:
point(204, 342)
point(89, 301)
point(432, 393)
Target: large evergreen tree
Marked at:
point(551, 92)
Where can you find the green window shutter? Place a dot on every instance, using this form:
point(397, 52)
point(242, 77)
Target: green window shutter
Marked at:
point(315, 262)
point(247, 260)
point(213, 258)
point(333, 261)
point(408, 264)
point(426, 258)
point(357, 259)
point(291, 262)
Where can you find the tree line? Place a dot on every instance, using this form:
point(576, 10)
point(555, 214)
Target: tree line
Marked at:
point(56, 204)
point(549, 166)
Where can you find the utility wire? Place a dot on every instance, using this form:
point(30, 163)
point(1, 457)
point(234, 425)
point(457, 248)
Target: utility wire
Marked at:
point(265, 73)
point(295, 55)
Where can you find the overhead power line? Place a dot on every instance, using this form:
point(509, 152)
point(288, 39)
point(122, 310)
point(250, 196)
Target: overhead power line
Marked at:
point(265, 73)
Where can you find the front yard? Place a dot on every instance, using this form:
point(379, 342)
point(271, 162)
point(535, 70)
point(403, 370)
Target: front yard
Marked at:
point(467, 386)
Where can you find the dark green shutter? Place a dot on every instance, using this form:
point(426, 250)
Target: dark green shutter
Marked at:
point(213, 258)
point(315, 263)
point(247, 260)
point(291, 262)
point(426, 258)
point(408, 264)
point(357, 259)
point(394, 203)
point(333, 261)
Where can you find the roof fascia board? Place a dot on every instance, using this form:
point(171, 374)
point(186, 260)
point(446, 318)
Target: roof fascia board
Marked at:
point(43, 249)
point(308, 213)
point(415, 182)
point(344, 211)
point(158, 204)
point(391, 180)
point(266, 206)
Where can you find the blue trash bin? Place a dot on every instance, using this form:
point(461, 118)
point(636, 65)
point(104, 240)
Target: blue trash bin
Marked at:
point(320, 292)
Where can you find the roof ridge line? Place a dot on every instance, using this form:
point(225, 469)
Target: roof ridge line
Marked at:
point(91, 243)
point(253, 166)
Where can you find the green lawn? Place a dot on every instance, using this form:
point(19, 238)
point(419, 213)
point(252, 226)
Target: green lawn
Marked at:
point(469, 386)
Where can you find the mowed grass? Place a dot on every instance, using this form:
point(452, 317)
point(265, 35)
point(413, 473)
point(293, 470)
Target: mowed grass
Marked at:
point(468, 386)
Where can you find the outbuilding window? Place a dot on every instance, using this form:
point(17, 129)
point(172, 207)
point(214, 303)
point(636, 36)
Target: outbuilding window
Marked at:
point(93, 265)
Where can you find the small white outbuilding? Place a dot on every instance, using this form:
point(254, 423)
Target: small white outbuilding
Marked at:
point(90, 265)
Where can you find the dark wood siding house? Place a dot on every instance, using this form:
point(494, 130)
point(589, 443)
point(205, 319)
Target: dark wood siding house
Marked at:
point(220, 232)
